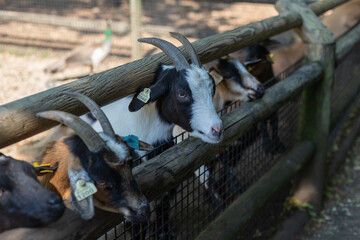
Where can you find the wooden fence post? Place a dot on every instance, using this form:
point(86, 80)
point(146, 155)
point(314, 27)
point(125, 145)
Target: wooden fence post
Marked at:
point(135, 18)
point(316, 103)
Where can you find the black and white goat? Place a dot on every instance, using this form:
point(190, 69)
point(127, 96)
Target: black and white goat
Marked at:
point(233, 83)
point(94, 168)
point(182, 95)
point(24, 202)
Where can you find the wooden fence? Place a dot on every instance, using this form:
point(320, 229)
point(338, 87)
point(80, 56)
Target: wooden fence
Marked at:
point(18, 121)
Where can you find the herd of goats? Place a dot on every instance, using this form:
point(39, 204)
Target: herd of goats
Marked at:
point(88, 160)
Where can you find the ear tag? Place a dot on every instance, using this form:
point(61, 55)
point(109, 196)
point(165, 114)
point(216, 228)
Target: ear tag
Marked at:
point(84, 189)
point(272, 58)
point(144, 95)
point(249, 69)
point(45, 168)
point(132, 141)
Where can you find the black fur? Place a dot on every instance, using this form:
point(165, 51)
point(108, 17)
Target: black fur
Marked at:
point(116, 181)
point(24, 201)
point(170, 85)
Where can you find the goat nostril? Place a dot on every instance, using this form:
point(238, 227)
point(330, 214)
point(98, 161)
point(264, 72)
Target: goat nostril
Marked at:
point(216, 131)
point(54, 201)
point(260, 91)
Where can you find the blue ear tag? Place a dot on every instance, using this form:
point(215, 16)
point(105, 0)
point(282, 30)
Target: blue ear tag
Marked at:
point(132, 141)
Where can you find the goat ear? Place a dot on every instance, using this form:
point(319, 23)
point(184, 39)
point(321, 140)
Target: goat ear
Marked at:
point(217, 77)
point(82, 190)
point(148, 95)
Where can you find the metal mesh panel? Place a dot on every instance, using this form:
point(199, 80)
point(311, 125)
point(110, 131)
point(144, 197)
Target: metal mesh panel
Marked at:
point(187, 209)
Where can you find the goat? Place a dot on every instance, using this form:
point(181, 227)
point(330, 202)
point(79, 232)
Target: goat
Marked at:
point(182, 95)
point(233, 83)
point(24, 202)
point(97, 162)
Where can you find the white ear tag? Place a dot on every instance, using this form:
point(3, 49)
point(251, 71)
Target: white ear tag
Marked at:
point(144, 95)
point(84, 189)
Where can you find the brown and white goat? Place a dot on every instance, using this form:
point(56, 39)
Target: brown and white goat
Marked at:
point(24, 202)
point(102, 159)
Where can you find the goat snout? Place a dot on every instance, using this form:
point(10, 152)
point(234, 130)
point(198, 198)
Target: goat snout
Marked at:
point(260, 91)
point(216, 132)
point(141, 214)
point(55, 201)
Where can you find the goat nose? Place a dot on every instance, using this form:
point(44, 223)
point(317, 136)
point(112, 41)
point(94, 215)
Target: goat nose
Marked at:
point(144, 212)
point(260, 91)
point(217, 132)
point(54, 201)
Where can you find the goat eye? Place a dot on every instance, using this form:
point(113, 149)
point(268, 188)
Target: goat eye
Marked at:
point(182, 94)
point(101, 184)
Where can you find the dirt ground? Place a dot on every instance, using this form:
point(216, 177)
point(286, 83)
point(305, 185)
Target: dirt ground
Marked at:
point(340, 218)
point(21, 66)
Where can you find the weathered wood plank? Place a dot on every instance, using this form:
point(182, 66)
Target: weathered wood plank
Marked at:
point(320, 7)
point(18, 120)
point(312, 29)
point(346, 43)
point(163, 172)
point(228, 224)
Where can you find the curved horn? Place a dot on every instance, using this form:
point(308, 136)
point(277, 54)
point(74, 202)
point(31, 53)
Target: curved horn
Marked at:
point(189, 48)
point(170, 50)
point(90, 137)
point(96, 110)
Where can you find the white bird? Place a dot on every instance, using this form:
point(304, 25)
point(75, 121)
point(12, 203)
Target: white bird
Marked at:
point(90, 54)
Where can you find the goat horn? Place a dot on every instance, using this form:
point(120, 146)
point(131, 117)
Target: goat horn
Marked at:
point(170, 50)
point(90, 137)
point(189, 48)
point(96, 110)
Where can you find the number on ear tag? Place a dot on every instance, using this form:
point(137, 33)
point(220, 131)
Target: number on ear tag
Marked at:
point(144, 96)
point(84, 189)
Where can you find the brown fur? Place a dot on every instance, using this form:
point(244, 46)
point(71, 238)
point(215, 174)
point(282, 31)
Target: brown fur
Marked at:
point(59, 181)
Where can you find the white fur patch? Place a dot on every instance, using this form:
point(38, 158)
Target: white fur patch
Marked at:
point(119, 149)
point(249, 80)
point(204, 116)
point(145, 123)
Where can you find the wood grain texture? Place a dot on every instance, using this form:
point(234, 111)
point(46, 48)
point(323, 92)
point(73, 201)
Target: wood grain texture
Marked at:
point(179, 162)
point(320, 7)
point(18, 121)
point(227, 225)
point(312, 29)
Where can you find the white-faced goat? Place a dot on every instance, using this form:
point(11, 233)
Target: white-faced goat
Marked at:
point(94, 168)
point(24, 202)
point(233, 83)
point(182, 94)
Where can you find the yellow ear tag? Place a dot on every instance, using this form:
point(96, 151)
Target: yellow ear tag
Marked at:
point(249, 69)
point(144, 96)
point(84, 189)
point(272, 57)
